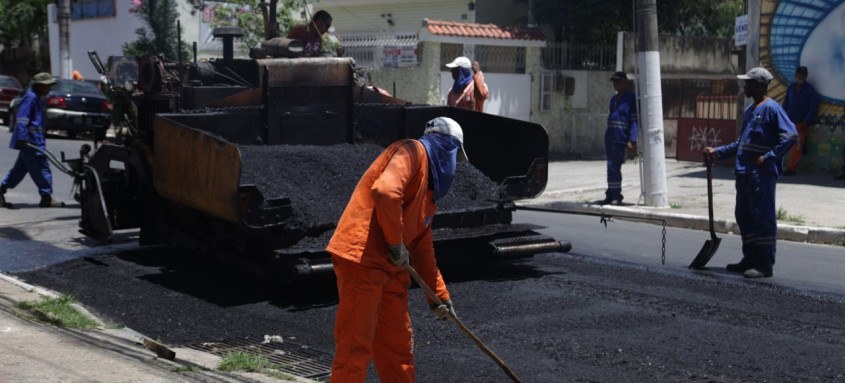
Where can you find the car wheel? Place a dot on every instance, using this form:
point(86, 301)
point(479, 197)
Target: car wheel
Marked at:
point(99, 134)
point(71, 134)
point(12, 119)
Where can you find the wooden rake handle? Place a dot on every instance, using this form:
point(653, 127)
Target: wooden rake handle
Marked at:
point(461, 326)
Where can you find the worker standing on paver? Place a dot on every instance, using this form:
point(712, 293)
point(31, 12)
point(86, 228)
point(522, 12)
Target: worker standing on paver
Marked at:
point(386, 225)
point(620, 135)
point(766, 136)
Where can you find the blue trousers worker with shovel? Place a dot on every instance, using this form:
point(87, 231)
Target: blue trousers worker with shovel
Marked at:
point(767, 134)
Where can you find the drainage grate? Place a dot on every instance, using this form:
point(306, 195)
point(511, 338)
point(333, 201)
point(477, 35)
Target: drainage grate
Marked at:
point(289, 357)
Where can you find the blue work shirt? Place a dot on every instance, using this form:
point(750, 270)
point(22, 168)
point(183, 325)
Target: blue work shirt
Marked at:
point(801, 106)
point(622, 120)
point(766, 131)
point(29, 121)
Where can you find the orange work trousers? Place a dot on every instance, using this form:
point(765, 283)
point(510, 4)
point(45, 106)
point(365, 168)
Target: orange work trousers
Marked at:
point(372, 323)
point(797, 150)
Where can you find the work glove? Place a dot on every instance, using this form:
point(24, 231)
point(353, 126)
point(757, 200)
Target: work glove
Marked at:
point(444, 310)
point(399, 254)
point(21, 144)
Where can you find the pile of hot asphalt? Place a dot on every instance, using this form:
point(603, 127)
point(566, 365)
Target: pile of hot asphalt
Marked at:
point(318, 180)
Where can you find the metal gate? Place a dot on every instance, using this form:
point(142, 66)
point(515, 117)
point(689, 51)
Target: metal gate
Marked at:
point(706, 112)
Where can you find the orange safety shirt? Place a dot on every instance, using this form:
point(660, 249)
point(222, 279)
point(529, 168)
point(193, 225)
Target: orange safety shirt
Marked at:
point(392, 203)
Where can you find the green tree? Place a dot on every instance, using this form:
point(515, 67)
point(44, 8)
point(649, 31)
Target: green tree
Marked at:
point(597, 21)
point(21, 24)
point(22, 21)
point(248, 15)
point(160, 16)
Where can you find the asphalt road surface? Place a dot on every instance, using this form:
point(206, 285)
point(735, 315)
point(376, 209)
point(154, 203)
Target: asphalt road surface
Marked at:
point(608, 311)
point(581, 316)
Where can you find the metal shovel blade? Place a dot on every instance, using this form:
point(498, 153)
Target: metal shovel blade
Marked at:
point(712, 244)
point(706, 253)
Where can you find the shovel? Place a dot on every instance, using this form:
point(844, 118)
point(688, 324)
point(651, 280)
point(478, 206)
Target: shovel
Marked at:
point(712, 244)
point(461, 326)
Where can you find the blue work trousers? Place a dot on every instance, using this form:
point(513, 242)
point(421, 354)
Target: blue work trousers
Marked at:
point(615, 152)
point(757, 219)
point(36, 164)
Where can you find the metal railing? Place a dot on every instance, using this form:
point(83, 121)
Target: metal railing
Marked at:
point(578, 57)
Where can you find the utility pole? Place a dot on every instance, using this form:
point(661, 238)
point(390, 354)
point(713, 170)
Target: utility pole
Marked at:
point(66, 66)
point(651, 138)
point(752, 48)
point(531, 21)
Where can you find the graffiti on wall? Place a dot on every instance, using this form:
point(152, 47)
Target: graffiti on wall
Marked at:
point(704, 136)
point(809, 33)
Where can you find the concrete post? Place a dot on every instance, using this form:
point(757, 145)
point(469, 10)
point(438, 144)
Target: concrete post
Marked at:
point(752, 47)
point(66, 66)
point(651, 106)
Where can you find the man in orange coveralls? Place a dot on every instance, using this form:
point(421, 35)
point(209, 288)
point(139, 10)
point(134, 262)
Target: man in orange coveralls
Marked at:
point(387, 221)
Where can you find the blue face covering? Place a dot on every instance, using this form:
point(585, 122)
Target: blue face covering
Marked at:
point(464, 77)
point(442, 152)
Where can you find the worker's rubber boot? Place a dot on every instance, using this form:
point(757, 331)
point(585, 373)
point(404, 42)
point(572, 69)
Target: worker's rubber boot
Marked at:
point(3, 197)
point(48, 201)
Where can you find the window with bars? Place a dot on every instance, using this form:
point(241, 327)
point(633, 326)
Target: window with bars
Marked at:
point(547, 86)
point(88, 9)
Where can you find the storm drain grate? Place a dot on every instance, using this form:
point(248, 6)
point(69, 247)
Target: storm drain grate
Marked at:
point(292, 358)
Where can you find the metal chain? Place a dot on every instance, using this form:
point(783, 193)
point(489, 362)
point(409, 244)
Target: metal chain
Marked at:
point(225, 109)
point(663, 247)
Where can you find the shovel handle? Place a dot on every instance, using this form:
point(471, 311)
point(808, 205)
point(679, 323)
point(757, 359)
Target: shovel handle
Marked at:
point(708, 162)
point(461, 326)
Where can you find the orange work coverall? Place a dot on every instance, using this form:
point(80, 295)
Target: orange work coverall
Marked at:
point(391, 204)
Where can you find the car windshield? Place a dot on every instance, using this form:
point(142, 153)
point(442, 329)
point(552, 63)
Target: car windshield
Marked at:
point(71, 87)
point(9, 82)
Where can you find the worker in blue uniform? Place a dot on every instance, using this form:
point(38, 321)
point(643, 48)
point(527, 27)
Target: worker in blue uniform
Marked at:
point(801, 103)
point(620, 135)
point(767, 134)
point(29, 130)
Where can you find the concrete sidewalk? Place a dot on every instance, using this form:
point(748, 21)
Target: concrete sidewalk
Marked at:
point(35, 352)
point(812, 206)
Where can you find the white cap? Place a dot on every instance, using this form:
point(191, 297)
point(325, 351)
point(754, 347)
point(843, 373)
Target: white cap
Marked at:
point(462, 62)
point(446, 125)
point(758, 74)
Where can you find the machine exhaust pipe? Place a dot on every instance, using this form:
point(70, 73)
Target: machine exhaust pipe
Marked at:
point(519, 247)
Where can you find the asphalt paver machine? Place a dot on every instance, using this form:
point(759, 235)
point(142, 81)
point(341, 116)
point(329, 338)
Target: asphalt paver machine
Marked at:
point(253, 160)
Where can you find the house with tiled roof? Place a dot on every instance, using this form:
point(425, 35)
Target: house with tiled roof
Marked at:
point(407, 44)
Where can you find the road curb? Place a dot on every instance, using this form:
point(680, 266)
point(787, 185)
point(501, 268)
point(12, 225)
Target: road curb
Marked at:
point(822, 235)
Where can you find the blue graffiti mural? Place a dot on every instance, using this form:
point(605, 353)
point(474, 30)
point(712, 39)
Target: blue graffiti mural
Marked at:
point(811, 33)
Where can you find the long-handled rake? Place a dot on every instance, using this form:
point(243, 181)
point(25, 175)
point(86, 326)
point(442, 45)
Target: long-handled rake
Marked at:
point(430, 294)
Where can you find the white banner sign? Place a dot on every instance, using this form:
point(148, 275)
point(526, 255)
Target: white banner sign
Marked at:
point(741, 30)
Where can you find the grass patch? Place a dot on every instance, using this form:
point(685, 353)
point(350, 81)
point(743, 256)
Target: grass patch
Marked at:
point(57, 311)
point(674, 206)
point(249, 362)
point(783, 215)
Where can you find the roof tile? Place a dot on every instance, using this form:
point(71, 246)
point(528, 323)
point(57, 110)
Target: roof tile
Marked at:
point(462, 29)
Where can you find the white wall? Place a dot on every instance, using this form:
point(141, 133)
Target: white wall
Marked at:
point(365, 16)
point(510, 94)
point(106, 35)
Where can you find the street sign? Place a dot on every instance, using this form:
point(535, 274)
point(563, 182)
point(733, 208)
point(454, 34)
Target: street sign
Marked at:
point(741, 30)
